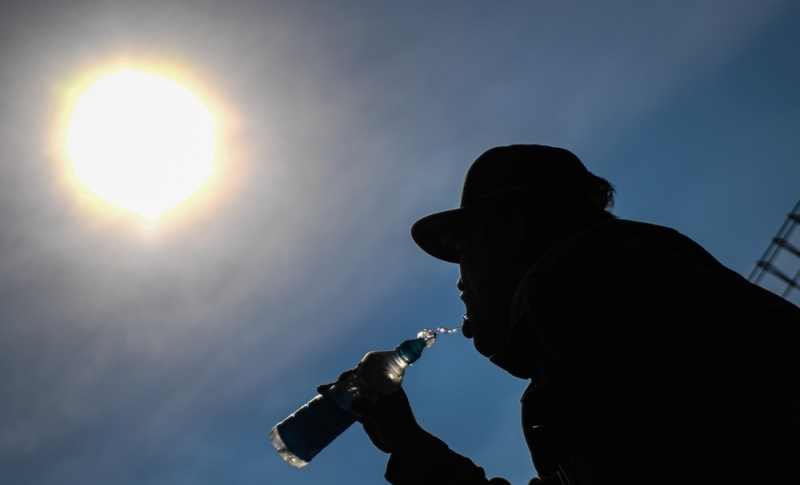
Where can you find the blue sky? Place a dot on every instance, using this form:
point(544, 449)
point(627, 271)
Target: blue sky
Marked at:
point(134, 353)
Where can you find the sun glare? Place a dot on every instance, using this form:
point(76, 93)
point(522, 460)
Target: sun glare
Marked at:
point(141, 142)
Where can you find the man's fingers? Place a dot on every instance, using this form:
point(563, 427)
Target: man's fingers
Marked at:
point(342, 377)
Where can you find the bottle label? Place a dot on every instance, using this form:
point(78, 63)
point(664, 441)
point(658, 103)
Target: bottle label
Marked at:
point(312, 427)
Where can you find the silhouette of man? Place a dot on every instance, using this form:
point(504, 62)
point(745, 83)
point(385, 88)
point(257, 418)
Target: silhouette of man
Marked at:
point(649, 362)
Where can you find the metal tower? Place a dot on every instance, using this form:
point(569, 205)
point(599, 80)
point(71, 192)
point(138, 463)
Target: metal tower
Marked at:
point(778, 270)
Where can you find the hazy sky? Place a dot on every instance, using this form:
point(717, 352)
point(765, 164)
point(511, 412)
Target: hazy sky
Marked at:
point(163, 353)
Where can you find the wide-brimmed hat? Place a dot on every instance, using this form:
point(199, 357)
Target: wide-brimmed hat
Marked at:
point(514, 176)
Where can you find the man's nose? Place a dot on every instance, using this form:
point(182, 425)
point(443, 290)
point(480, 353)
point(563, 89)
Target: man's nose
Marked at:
point(460, 284)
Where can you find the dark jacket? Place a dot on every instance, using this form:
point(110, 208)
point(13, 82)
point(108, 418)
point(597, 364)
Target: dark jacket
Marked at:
point(650, 362)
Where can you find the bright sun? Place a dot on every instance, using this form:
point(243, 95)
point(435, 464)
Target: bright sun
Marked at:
point(141, 142)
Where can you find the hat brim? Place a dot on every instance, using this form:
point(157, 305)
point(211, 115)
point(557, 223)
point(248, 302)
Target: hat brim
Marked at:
point(436, 234)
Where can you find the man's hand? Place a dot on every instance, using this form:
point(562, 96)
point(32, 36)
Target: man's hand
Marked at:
point(389, 421)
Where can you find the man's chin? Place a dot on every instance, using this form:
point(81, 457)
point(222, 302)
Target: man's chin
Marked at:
point(486, 349)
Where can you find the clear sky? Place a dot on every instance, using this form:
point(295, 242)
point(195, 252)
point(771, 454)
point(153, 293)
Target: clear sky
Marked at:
point(163, 353)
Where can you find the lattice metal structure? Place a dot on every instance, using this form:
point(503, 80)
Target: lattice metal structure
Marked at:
point(778, 270)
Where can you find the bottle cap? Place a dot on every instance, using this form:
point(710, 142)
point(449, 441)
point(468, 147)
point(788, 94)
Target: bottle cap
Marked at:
point(411, 349)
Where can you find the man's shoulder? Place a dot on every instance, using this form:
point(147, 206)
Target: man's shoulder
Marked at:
point(625, 232)
point(629, 265)
point(621, 241)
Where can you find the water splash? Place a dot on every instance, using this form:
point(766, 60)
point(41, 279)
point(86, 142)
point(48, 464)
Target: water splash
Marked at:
point(430, 335)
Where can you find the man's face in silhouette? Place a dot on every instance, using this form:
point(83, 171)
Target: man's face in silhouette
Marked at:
point(486, 289)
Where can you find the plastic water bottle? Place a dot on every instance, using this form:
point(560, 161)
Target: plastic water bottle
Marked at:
point(303, 434)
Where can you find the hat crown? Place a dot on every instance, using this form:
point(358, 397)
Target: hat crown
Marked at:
point(522, 172)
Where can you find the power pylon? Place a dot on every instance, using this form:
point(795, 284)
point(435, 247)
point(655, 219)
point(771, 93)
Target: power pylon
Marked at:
point(778, 270)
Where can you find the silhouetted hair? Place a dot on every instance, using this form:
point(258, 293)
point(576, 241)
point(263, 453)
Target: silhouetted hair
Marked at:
point(603, 190)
